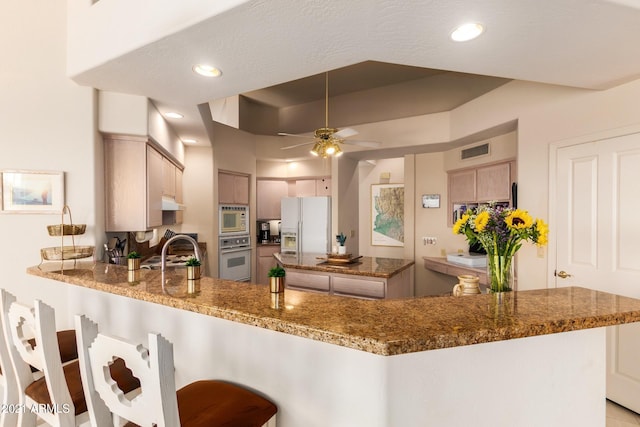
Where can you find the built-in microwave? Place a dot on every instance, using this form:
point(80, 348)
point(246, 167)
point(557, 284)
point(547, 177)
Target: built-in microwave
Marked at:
point(234, 219)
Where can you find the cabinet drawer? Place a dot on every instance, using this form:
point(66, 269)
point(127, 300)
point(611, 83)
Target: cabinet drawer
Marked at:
point(267, 251)
point(359, 287)
point(307, 281)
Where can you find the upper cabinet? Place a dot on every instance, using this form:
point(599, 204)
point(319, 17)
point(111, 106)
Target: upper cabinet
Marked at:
point(312, 187)
point(469, 188)
point(233, 188)
point(269, 193)
point(134, 184)
point(168, 178)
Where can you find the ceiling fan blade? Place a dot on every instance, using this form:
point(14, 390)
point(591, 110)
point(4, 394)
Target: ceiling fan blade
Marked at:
point(297, 145)
point(291, 134)
point(371, 144)
point(345, 133)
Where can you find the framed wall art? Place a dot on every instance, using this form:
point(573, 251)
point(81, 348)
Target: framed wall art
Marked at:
point(387, 214)
point(24, 191)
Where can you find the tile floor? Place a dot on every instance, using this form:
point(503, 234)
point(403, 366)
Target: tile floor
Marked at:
point(618, 416)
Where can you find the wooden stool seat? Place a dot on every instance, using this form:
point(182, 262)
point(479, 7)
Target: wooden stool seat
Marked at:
point(123, 376)
point(66, 343)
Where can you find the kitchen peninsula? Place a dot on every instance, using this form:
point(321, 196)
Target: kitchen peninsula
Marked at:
point(531, 358)
point(366, 277)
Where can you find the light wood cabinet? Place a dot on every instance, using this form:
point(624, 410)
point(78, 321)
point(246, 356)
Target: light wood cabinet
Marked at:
point(494, 182)
point(233, 188)
point(168, 178)
point(265, 262)
point(269, 195)
point(133, 184)
point(135, 181)
point(305, 187)
point(311, 281)
point(179, 195)
point(472, 187)
point(154, 188)
point(323, 187)
point(348, 285)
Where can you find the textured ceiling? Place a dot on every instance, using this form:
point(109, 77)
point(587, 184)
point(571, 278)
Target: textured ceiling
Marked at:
point(262, 43)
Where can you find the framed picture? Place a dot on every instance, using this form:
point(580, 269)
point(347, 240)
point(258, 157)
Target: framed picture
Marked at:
point(32, 191)
point(430, 200)
point(387, 214)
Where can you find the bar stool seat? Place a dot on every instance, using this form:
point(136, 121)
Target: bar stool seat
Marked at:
point(39, 393)
point(67, 345)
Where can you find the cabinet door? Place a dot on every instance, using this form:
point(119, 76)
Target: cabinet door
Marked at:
point(323, 187)
point(269, 194)
point(125, 185)
point(154, 188)
point(462, 186)
point(265, 262)
point(168, 178)
point(305, 188)
point(241, 189)
point(226, 191)
point(494, 182)
point(179, 195)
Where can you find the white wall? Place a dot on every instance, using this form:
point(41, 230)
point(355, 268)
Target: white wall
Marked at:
point(48, 123)
point(198, 217)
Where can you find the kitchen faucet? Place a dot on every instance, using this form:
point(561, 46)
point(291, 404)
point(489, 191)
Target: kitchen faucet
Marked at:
point(163, 260)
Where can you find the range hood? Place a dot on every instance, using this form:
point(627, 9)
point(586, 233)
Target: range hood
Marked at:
point(170, 204)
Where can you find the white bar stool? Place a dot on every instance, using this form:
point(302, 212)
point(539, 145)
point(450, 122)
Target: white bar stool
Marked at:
point(200, 404)
point(57, 397)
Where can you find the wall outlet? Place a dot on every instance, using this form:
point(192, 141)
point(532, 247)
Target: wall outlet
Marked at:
point(429, 240)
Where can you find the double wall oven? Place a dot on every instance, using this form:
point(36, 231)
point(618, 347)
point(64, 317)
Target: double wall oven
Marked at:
point(234, 243)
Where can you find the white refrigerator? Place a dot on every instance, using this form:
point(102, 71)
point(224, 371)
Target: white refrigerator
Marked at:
point(306, 225)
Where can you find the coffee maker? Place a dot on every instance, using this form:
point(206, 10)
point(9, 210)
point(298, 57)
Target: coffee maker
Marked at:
point(265, 232)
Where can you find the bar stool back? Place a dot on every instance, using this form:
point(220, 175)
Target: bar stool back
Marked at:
point(200, 404)
point(10, 397)
point(56, 396)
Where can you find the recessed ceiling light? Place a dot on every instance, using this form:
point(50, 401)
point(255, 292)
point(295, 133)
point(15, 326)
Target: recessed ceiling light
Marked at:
point(207, 70)
point(189, 141)
point(173, 115)
point(467, 32)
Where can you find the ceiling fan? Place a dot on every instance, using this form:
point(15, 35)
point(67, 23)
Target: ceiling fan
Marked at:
point(327, 140)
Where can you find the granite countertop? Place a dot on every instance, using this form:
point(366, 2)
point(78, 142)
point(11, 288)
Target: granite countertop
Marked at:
point(408, 325)
point(365, 266)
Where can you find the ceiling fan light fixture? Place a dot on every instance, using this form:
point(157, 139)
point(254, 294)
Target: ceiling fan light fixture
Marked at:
point(466, 32)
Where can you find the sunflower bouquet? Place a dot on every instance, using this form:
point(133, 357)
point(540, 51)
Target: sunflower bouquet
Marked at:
point(501, 232)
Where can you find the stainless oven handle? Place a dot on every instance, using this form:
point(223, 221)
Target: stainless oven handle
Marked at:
point(229, 251)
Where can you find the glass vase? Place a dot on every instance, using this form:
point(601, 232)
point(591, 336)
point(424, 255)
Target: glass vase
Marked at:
point(500, 273)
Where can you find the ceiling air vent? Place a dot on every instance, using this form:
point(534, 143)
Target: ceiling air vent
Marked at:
point(478, 150)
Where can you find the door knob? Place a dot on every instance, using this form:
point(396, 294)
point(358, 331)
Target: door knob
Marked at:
point(563, 274)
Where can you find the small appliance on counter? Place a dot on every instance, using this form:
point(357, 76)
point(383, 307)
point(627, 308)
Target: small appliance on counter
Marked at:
point(264, 228)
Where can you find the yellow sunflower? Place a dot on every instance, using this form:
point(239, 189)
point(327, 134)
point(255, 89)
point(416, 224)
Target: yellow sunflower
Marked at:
point(519, 219)
point(459, 223)
point(543, 232)
point(482, 219)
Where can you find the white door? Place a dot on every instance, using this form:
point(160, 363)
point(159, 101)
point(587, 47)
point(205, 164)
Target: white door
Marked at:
point(598, 241)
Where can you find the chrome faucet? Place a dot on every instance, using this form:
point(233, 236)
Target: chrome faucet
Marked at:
point(163, 256)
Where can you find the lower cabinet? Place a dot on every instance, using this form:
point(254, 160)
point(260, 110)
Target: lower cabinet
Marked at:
point(347, 285)
point(265, 262)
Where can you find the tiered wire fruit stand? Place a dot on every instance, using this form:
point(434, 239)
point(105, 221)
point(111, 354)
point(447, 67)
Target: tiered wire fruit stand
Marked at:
point(64, 253)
